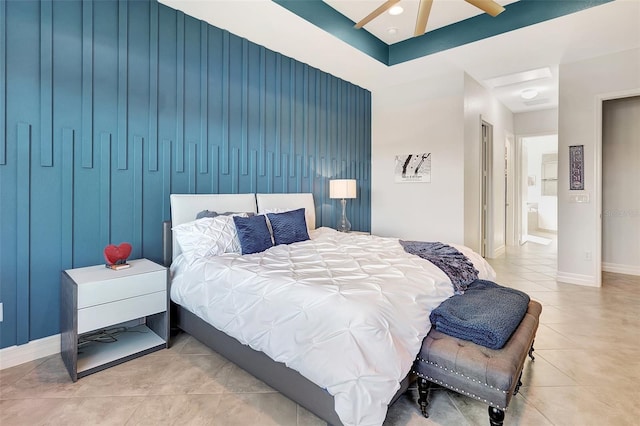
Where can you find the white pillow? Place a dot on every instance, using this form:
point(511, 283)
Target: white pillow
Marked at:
point(209, 236)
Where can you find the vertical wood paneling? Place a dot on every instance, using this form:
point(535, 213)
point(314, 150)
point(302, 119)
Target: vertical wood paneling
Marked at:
point(153, 86)
point(179, 92)
point(123, 65)
point(46, 83)
point(254, 120)
point(105, 189)
point(204, 97)
point(215, 164)
point(253, 171)
point(235, 175)
point(87, 83)
point(3, 82)
point(278, 115)
point(192, 168)
point(66, 202)
point(244, 110)
point(23, 198)
point(138, 196)
point(166, 177)
point(224, 136)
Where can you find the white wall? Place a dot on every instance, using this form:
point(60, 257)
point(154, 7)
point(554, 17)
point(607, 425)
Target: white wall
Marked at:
point(542, 122)
point(582, 86)
point(620, 189)
point(480, 104)
point(422, 116)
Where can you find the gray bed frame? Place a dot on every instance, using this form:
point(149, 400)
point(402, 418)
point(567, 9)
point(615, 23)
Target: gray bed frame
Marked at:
point(275, 374)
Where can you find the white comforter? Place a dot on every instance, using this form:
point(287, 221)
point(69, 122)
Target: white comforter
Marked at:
point(347, 311)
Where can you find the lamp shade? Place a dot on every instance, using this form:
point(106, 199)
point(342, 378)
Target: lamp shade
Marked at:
point(342, 188)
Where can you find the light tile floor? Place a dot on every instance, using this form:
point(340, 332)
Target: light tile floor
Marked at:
point(587, 371)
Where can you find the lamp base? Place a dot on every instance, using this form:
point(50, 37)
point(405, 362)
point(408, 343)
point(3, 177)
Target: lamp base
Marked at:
point(343, 223)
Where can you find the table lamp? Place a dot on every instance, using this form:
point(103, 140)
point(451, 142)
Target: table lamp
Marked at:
point(343, 189)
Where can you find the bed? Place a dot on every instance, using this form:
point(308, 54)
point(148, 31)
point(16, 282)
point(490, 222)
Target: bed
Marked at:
point(289, 313)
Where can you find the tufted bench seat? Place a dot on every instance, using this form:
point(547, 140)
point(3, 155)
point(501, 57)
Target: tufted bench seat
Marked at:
point(491, 376)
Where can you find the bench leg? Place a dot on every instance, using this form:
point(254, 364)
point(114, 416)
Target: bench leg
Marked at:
point(531, 349)
point(424, 389)
point(496, 416)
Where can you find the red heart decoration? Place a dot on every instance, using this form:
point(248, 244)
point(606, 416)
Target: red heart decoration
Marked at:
point(117, 254)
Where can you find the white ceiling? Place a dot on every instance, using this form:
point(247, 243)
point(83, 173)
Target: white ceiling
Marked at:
point(443, 13)
point(597, 31)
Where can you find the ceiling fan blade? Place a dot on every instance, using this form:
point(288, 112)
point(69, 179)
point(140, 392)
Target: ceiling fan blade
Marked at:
point(379, 11)
point(423, 17)
point(488, 6)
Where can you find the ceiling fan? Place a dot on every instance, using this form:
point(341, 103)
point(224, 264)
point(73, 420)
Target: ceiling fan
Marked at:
point(488, 6)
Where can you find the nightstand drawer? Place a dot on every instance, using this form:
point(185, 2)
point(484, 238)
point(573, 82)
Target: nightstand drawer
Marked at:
point(120, 287)
point(108, 314)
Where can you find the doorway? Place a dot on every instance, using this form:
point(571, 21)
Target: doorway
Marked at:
point(539, 177)
point(620, 218)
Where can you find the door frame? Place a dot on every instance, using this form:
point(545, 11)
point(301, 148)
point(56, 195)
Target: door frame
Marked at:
point(600, 99)
point(486, 189)
point(521, 182)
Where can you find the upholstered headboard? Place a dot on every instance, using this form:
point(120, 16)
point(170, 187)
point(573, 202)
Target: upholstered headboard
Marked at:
point(267, 202)
point(185, 207)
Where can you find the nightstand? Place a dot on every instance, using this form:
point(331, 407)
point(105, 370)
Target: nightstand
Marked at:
point(96, 298)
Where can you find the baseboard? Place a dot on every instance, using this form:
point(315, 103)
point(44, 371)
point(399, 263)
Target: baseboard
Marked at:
point(618, 268)
point(579, 279)
point(15, 355)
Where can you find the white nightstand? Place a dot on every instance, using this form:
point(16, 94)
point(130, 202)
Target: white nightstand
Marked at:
point(97, 298)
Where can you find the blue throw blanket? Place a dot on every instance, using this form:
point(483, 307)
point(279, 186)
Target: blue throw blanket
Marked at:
point(486, 314)
point(456, 265)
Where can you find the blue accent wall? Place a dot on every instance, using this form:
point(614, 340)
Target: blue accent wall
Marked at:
point(107, 107)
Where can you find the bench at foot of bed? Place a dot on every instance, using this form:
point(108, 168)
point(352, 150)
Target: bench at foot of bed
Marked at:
point(488, 375)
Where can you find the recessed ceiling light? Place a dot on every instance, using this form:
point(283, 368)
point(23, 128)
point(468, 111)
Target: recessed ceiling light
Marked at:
point(396, 10)
point(528, 94)
point(392, 30)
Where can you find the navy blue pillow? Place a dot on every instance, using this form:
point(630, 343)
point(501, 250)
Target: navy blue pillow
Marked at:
point(253, 233)
point(288, 227)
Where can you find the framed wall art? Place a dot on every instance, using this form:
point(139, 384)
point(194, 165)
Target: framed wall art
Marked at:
point(413, 168)
point(576, 167)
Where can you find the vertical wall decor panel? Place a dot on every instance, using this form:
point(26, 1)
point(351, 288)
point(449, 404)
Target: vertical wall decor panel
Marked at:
point(138, 197)
point(66, 200)
point(46, 83)
point(123, 69)
point(3, 82)
point(204, 97)
point(179, 163)
point(166, 177)
point(278, 115)
point(87, 83)
point(192, 168)
point(244, 108)
point(23, 207)
point(105, 189)
point(224, 130)
point(107, 107)
point(262, 102)
point(153, 86)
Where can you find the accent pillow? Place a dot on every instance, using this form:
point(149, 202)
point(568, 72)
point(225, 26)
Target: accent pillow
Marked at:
point(289, 227)
point(253, 233)
point(208, 237)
